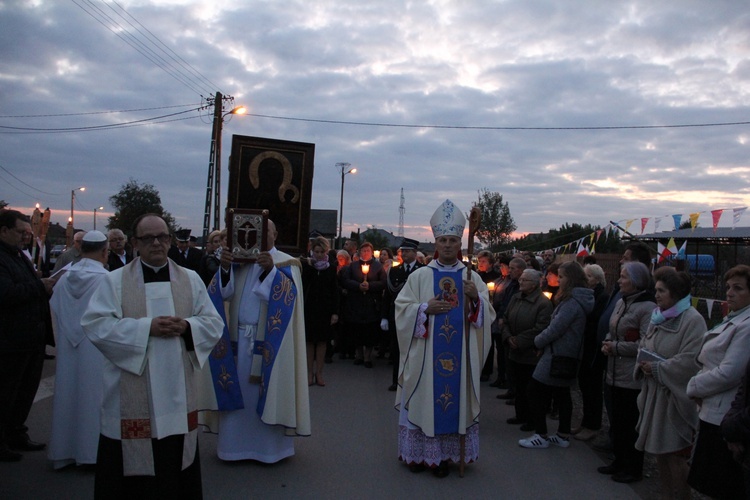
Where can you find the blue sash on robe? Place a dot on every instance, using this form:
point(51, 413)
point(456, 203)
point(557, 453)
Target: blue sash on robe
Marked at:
point(447, 341)
point(221, 360)
point(280, 309)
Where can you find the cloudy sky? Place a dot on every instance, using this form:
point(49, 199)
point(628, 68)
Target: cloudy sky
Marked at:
point(488, 74)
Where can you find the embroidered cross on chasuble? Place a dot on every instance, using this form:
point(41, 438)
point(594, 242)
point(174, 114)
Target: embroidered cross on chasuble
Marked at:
point(447, 352)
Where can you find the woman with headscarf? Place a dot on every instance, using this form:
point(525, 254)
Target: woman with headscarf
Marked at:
point(628, 323)
point(668, 419)
point(722, 358)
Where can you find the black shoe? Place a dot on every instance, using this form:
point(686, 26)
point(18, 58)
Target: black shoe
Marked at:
point(626, 477)
point(392, 388)
point(500, 384)
point(49, 356)
point(417, 468)
point(26, 445)
point(484, 378)
point(368, 364)
point(7, 455)
point(507, 395)
point(608, 469)
point(441, 470)
point(515, 421)
point(527, 427)
point(359, 361)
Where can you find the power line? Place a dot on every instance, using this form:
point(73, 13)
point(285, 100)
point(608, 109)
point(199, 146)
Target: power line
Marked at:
point(113, 127)
point(186, 64)
point(127, 37)
point(99, 112)
point(470, 127)
point(17, 188)
point(95, 127)
point(25, 183)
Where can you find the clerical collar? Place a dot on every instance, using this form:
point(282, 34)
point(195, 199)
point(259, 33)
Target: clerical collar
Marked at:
point(153, 274)
point(447, 266)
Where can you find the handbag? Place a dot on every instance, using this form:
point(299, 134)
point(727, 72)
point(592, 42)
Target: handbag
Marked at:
point(563, 367)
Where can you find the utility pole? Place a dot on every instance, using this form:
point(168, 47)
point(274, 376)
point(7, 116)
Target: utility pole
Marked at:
point(401, 211)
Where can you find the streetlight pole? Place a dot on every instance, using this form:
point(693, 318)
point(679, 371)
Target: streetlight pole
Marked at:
point(95, 209)
point(73, 200)
point(344, 167)
point(213, 185)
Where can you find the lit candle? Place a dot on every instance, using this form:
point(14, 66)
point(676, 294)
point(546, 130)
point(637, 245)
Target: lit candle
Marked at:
point(491, 286)
point(548, 295)
point(365, 270)
point(376, 254)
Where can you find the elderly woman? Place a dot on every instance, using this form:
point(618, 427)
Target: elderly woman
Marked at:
point(344, 346)
point(628, 323)
point(668, 419)
point(321, 294)
point(563, 337)
point(722, 358)
point(592, 365)
point(527, 314)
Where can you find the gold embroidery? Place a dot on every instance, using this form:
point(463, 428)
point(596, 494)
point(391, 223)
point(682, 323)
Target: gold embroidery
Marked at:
point(447, 331)
point(446, 398)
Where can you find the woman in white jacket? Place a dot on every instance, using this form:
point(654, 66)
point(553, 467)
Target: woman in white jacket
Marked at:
point(723, 358)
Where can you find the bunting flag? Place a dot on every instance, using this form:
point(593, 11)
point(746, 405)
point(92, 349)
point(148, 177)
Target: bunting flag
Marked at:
point(694, 220)
point(662, 252)
point(657, 221)
point(672, 246)
point(644, 221)
point(710, 307)
point(736, 214)
point(683, 251)
point(694, 302)
point(724, 309)
point(716, 216)
point(598, 234)
point(677, 218)
point(628, 224)
point(582, 250)
point(593, 248)
point(591, 238)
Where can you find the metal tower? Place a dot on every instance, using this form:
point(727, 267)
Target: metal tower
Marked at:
point(401, 211)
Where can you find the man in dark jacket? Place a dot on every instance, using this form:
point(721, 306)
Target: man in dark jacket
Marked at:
point(24, 322)
point(395, 280)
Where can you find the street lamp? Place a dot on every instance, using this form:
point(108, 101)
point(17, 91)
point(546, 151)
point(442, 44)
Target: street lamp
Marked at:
point(73, 200)
point(95, 209)
point(214, 162)
point(344, 167)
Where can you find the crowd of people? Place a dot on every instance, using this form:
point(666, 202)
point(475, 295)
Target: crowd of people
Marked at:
point(181, 337)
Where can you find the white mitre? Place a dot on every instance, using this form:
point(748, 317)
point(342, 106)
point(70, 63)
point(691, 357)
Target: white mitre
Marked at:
point(448, 220)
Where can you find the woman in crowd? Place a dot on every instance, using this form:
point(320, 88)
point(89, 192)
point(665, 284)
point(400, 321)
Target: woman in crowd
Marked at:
point(628, 323)
point(526, 316)
point(668, 418)
point(321, 294)
point(386, 259)
point(722, 358)
point(592, 365)
point(563, 337)
point(344, 346)
point(551, 282)
point(210, 261)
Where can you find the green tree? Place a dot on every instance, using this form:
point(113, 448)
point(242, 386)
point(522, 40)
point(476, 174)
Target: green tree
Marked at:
point(3, 204)
point(134, 200)
point(497, 224)
point(378, 240)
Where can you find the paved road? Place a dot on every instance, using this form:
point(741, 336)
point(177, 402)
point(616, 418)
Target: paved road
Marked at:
point(351, 454)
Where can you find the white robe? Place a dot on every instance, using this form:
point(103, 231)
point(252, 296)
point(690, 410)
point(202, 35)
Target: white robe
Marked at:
point(242, 434)
point(78, 375)
point(127, 346)
point(415, 370)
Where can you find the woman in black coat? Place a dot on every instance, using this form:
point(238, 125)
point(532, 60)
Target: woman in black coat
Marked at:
point(321, 295)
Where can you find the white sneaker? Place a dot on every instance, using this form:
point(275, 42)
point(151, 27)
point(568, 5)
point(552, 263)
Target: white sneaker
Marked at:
point(535, 441)
point(558, 440)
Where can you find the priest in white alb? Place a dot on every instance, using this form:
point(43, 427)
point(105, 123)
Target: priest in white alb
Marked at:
point(156, 326)
point(78, 370)
point(443, 320)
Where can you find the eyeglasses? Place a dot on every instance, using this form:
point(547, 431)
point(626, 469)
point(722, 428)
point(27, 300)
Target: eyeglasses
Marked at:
point(149, 239)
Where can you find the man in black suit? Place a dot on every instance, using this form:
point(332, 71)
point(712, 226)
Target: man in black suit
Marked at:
point(183, 254)
point(118, 257)
point(395, 280)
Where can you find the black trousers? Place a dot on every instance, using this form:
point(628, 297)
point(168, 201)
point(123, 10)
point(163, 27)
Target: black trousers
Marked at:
point(540, 397)
point(623, 420)
point(591, 381)
point(521, 377)
point(169, 481)
point(20, 373)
